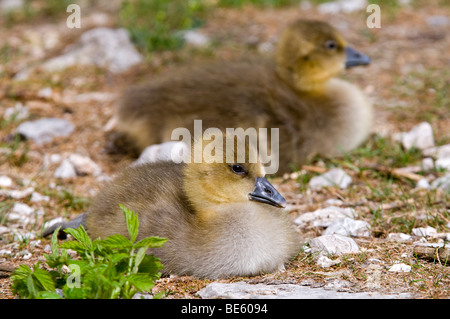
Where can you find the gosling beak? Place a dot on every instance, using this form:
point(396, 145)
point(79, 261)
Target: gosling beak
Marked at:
point(264, 192)
point(355, 58)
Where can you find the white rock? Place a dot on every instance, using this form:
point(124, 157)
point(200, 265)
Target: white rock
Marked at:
point(334, 245)
point(326, 262)
point(5, 181)
point(103, 47)
point(400, 267)
point(324, 217)
point(399, 237)
point(420, 136)
point(442, 183)
point(16, 217)
point(442, 151)
point(46, 92)
point(17, 194)
point(55, 158)
point(37, 198)
point(348, 227)
point(26, 256)
point(35, 243)
point(65, 170)
point(22, 209)
point(334, 177)
point(4, 230)
point(84, 165)
point(424, 231)
point(243, 290)
point(5, 252)
point(195, 38)
point(443, 163)
point(46, 129)
point(423, 183)
point(18, 112)
point(427, 164)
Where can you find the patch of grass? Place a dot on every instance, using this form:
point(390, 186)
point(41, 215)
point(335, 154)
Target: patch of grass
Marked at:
point(155, 25)
point(5, 206)
point(69, 200)
point(14, 151)
point(426, 92)
point(386, 152)
point(7, 52)
point(112, 268)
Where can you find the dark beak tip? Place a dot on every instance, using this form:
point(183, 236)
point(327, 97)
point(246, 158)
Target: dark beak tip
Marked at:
point(264, 192)
point(355, 58)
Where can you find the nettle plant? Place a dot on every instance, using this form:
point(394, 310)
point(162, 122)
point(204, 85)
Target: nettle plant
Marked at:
point(115, 267)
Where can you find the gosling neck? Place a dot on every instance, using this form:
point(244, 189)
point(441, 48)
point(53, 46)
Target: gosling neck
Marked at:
point(304, 85)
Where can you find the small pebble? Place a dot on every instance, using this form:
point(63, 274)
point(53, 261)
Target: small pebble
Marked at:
point(334, 177)
point(65, 170)
point(424, 231)
point(420, 136)
point(5, 181)
point(400, 268)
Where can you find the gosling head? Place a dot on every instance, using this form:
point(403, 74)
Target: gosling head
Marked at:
point(311, 52)
point(226, 176)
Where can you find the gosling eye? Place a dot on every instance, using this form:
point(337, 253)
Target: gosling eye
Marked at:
point(238, 169)
point(331, 45)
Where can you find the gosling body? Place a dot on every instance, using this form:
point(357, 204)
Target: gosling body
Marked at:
point(298, 92)
point(221, 219)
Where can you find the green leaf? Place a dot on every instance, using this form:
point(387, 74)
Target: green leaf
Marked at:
point(31, 287)
point(118, 257)
point(150, 265)
point(151, 242)
point(141, 281)
point(21, 273)
point(138, 259)
point(43, 278)
point(132, 222)
point(116, 241)
point(54, 241)
point(74, 245)
point(82, 236)
point(57, 260)
point(75, 293)
point(19, 280)
point(83, 264)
